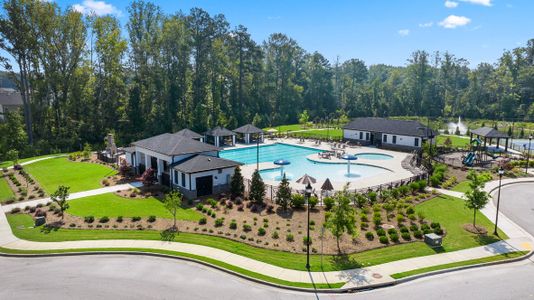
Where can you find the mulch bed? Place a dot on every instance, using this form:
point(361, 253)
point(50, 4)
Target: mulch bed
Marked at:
point(480, 230)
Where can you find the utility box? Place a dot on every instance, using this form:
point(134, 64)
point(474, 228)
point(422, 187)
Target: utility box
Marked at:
point(40, 221)
point(433, 240)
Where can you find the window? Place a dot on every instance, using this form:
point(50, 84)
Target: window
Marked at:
point(361, 135)
point(219, 171)
point(394, 139)
point(175, 177)
point(385, 138)
point(367, 136)
point(183, 179)
point(416, 142)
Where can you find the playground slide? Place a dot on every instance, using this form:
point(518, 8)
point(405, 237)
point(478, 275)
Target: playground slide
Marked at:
point(468, 161)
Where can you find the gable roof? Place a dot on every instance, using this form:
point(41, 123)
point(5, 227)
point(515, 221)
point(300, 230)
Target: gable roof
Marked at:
point(188, 133)
point(172, 144)
point(400, 127)
point(248, 129)
point(10, 96)
point(200, 163)
point(220, 131)
point(489, 132)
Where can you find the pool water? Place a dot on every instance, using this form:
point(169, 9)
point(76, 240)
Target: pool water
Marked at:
point(374, 156)
point(300, 165)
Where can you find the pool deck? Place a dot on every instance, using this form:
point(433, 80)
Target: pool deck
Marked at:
point(394, 164)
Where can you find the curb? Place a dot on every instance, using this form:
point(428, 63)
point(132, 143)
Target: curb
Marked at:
point(461, 268)
point(510, 183)
point(256, 280)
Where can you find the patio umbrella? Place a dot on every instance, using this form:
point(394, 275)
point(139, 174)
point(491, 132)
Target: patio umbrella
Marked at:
point(327, 185)
point(272, 130)
point(306, 179)
point(281, 163)
point(348, 158)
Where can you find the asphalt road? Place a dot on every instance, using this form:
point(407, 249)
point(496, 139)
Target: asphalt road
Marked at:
point(138, 277)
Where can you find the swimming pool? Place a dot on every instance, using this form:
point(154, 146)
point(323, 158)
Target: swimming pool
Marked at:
point(374, 156)
point(300, 165)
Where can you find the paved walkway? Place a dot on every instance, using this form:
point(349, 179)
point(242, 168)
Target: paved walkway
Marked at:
point(38, 159)
point(104, 190)
point(519, 241)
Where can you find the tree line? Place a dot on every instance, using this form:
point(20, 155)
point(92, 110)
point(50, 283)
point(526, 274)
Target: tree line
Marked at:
point(84, 76)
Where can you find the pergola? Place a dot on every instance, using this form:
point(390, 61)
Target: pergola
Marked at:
point(218, 132)
point(488, 133)
point(247, 131)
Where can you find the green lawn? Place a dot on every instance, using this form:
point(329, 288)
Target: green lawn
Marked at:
point(321, 133)
point(457, 141)
point(460, 264)
point(111, 205)
point(452, 214)
point(462, 186)
point(449, 211)
point(284, 128)
point(51, 173)
point(8, 163)
point(5, 191)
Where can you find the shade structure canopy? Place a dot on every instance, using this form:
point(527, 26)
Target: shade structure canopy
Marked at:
point(281, 162)
point(327, 185)
point(272, 130)
point(349, 157)
point(306, 179)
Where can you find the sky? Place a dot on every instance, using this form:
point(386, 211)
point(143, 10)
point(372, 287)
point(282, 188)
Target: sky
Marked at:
point(376, 31)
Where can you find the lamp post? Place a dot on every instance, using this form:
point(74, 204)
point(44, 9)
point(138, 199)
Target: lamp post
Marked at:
point(258, 154)
point(501, 172)
point(528, 152)
point(307, 193)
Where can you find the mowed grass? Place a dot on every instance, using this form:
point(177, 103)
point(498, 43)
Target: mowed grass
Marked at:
point(321, 133)
point(111, 205)
point(457, 141)
point(79, 176)
point(9, 163)
point(452, 214)
point(449, 211)
point(462, 186)
point(5, 191)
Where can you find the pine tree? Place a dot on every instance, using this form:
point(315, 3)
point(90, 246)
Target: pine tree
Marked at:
point(283, 195)
point(257, 188)
point(237, 187)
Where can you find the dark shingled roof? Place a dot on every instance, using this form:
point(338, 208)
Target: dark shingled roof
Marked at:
point(10, 96)
point(188, 133)
point(249, 128)
point(172, 144)
point(400, 127)
point(219, 131)
point(200, 163)
point(489, 132)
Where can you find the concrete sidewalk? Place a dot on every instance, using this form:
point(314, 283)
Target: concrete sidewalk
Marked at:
point(104, 190)
point(37, 159)
point(353, 278)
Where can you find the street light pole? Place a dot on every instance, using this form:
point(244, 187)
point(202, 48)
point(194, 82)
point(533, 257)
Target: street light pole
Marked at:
point(307, 193)
point(528, 152)
point(501, 172)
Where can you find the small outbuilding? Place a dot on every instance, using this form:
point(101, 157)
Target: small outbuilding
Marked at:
point(249, 134)
point(220, 136)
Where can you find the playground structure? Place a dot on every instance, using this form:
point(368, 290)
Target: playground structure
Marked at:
point(475, 153)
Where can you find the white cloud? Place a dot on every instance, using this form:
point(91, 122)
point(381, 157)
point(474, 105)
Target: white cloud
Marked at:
point(479, 2)
point(404, 32)
point(99, 8)
point(451, 4)
point(453, 21)
point(427, 24)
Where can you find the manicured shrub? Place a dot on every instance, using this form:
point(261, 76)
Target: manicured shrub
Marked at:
point(104, 219)
point(233, 224)
point(435, 225)
point(364, 225)
point(427, 231)
point(392, 231)
point(394, 237)
point(200, 207)
point(261, 231)
point(119, 219)
point(202, 221)
point(15, 210)
point(243, 237)
point(410, 210)
point(307, 241)
point(290, 237)
point(313, 202)
point(247, 227)
point(89, 219)
point(328, 203)
point(383, 239)
point(72, 225)
point(151, 219)
point(372, 196)
point(297, 201)
point(213, 214)
point(403, 228)
point(377, 221)
point(363, 217)
point(136, 219)
point(400, 218)
point(414, 227)
point(212, 202)
point(369, 235)
point(275, 235)
point(219, 222)
point(406, 236)
point(438, 231)
point(418, 234)
point(380, 232)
